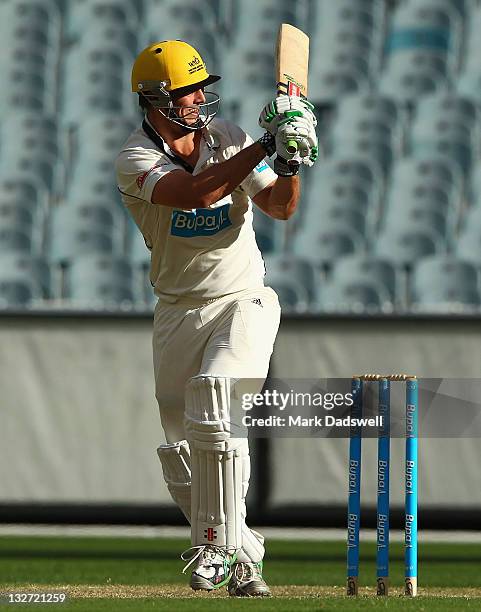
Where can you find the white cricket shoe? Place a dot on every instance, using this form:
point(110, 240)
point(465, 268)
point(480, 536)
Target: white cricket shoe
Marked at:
point(247, 581)
point(213, 569)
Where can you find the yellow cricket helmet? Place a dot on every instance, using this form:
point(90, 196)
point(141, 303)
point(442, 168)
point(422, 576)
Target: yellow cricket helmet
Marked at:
point(170, 65)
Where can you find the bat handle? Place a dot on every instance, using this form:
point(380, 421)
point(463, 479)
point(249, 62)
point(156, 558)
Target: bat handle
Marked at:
point(292, 146)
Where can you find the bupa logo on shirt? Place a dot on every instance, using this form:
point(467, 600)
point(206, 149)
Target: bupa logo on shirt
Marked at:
point(261, 166)
point(200, 222)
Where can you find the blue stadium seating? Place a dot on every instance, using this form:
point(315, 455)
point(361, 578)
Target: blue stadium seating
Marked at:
point(290, 287)
point(100, 280)
point(371, 269)
point(441, 282)
point(446, 107)
point(81, 14)
point(468, 246)
point(139, 253)
point(97, 79)
point(16, 240)
point(287, 270)
point(420, 193)
point(368, 115)
point(325, 243)
point(84, 228)
point(397, 87)
point(406, 244)
point(356, 295)
point(345, 44)
point(26, 271)
point(270, 234)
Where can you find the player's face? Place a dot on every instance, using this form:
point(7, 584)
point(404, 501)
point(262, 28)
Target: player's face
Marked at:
point(188, 106)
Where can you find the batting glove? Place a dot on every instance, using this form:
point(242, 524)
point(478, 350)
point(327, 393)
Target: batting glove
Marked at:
point(296, 143)
point(283, 109)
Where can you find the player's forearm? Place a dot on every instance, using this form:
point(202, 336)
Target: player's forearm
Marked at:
point(283, 197)
point(220, 180)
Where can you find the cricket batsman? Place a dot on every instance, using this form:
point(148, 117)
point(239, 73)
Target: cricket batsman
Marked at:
point(189, 180)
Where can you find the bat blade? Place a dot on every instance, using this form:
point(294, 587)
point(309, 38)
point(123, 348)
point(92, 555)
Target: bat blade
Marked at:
point(292, 60)
point(292, 65)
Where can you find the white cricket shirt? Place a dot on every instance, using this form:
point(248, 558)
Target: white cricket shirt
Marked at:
point(198, 254)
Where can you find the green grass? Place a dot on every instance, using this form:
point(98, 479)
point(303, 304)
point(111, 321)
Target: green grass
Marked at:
point(150, 574)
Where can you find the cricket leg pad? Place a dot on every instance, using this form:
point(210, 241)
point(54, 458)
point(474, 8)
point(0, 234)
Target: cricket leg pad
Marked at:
point(217, 462)
point(175, 460)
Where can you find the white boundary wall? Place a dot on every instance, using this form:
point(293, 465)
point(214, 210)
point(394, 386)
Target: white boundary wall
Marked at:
point(79, 421)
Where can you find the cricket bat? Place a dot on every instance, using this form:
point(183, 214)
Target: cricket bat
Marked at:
point(292, 61)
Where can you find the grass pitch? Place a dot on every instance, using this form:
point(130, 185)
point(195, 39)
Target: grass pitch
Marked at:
point(146, 574)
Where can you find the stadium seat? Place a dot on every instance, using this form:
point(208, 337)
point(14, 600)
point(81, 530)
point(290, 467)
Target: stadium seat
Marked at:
point(421, 49)
point(30, 144)
point(416, 202)
point(292, 294)
point(27, 83)
point(333, 192)
point(114, 35)
point(432, 25)
point(97, 79)
point(471, 71)
point(406, 245)
point(446, 140)
point(139, 257)
point(100, 281)
point(270, 234)
point(468, 245)
point(356, 295)
point(345, 177)
point(324, 244)
point(429, 172)
point(119, 13)
point(356, 110)
point(285, 267)
point(346, 75)
point(23, 217)
point(442, 281)
point(84, 228)
point(139, 253)
point(18, 187)
point(92, 179)
point(30, 130)
point(370, 268)
point(15, 240)
point(15, 293)
point(248, 52)
point(30, 270)
point(427, 23)
point(33, 22)
point(189, 21)
point(411, 84)
point(381, 152)
point(447, 108)
point(475, 185)
point(345, 47)
point(423, 218)
point(337, 204)
point(101, 136)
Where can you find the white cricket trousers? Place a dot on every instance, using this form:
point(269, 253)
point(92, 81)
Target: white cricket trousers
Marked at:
point(230, 337)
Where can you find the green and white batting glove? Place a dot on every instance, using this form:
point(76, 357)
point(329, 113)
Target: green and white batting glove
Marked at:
point(283, 109)
point(296, 143)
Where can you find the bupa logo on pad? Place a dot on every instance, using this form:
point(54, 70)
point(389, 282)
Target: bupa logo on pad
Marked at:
point(200, 222)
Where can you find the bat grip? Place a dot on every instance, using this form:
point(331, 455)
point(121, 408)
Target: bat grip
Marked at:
point(292, 146)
